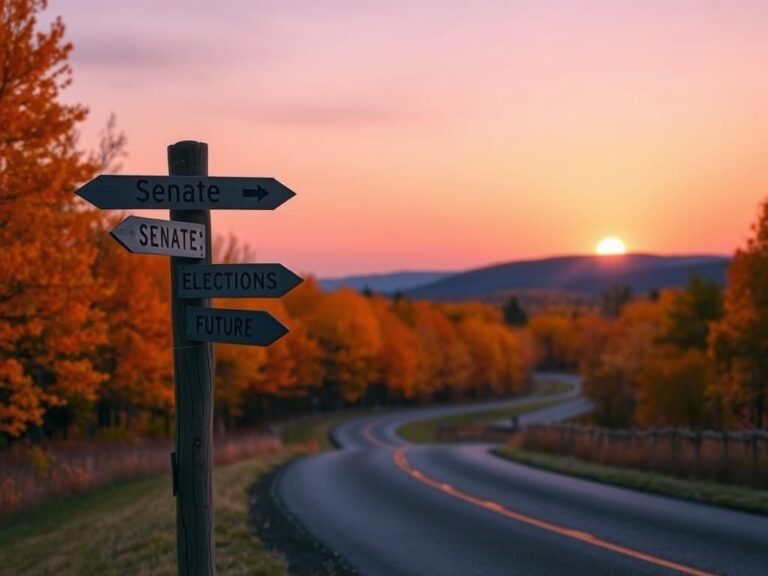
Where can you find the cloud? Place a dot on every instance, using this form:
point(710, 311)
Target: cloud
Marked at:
point(132, 54)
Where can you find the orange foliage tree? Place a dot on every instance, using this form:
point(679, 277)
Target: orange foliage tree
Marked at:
point(84, 327)
point(348, 331)
point(555, 339)
point(137, 353)
point(649, 366)
point(49, 324)
point(611, 379)
point(739, 341)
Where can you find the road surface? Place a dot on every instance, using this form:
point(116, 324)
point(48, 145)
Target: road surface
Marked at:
point(395, 509)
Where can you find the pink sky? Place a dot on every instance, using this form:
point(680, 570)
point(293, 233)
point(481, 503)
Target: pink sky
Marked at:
point(445, 135)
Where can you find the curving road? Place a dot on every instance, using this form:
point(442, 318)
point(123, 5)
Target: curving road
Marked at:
point(391, 508)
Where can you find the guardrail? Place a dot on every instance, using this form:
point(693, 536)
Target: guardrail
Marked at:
point(734, 457)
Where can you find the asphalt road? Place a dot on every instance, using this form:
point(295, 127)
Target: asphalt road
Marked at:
point(391, 508)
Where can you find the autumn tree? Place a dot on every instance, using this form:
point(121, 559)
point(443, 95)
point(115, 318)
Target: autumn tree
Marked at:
point(514, 314)
point(136, 357)
point(614, 299)
point(400, 357)
point(677, 377)
point(556, 340)
point(49, 325)
point(444, 361)
point(611, 379)
point(691, 312)
point(673, 389)
point(739, 341)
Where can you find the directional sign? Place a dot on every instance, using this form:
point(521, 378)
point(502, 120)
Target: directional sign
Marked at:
point(257, 328)
point(236, 281)
point(167, 237)
point(111, 192)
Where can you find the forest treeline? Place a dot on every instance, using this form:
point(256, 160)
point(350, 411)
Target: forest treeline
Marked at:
point(344, 348)
point(85, 345)
point(694, 357)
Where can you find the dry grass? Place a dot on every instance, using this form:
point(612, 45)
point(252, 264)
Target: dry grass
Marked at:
point(725, 457)
point(708, 492)
point(32, 474)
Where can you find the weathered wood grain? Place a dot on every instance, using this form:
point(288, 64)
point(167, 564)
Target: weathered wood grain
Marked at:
point(194, 370)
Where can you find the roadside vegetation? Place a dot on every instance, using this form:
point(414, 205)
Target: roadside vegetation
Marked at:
point(129, 529)
point(314, 432)
point(426, 431)
point(708, 492)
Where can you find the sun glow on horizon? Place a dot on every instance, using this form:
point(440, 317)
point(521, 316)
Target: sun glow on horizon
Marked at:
point(610, 245)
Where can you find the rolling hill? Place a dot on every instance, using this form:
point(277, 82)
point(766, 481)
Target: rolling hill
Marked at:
point(589, 275)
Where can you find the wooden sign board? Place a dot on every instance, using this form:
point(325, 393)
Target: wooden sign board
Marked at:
point(166, 237)
point(117, 192)
point(256, 328)
point(236, 281)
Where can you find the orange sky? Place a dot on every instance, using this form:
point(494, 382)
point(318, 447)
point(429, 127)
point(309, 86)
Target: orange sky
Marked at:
point(446, 135)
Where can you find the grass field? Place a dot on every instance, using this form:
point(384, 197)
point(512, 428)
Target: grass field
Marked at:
point(709, 492)
point(129, 529)
point(314, 431)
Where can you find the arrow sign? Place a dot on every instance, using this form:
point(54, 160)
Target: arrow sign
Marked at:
point(111, 192)
point(166, 237)
point(236, 281)
point(256, 328)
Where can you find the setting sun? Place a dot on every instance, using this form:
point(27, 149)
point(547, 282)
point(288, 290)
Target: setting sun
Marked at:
point(610, 245)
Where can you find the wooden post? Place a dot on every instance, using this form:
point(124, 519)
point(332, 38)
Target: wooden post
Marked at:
point(193, 371)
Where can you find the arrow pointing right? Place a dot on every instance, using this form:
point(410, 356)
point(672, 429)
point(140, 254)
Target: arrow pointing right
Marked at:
point(256, 328)
point(259, 193)
point(235, 281)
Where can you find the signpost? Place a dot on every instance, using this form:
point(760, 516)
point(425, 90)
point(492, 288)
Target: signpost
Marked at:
point(166, 237)
point(190, 194)
point(236, 281)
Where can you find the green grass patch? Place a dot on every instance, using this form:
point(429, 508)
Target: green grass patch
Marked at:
point(314, 430)
point(425, 431)
point(130, 529)
point(709, 492)
point(550, 387)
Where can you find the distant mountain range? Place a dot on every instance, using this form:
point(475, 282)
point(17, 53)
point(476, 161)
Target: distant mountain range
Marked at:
point(587, 275)
point(384, 283)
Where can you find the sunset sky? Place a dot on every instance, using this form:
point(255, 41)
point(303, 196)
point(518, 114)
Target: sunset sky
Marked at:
point(445, 135)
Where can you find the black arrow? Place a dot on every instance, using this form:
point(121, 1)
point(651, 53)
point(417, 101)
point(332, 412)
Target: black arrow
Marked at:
point(259, 193)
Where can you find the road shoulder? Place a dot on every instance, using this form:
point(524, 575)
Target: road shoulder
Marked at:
point(735, 497)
